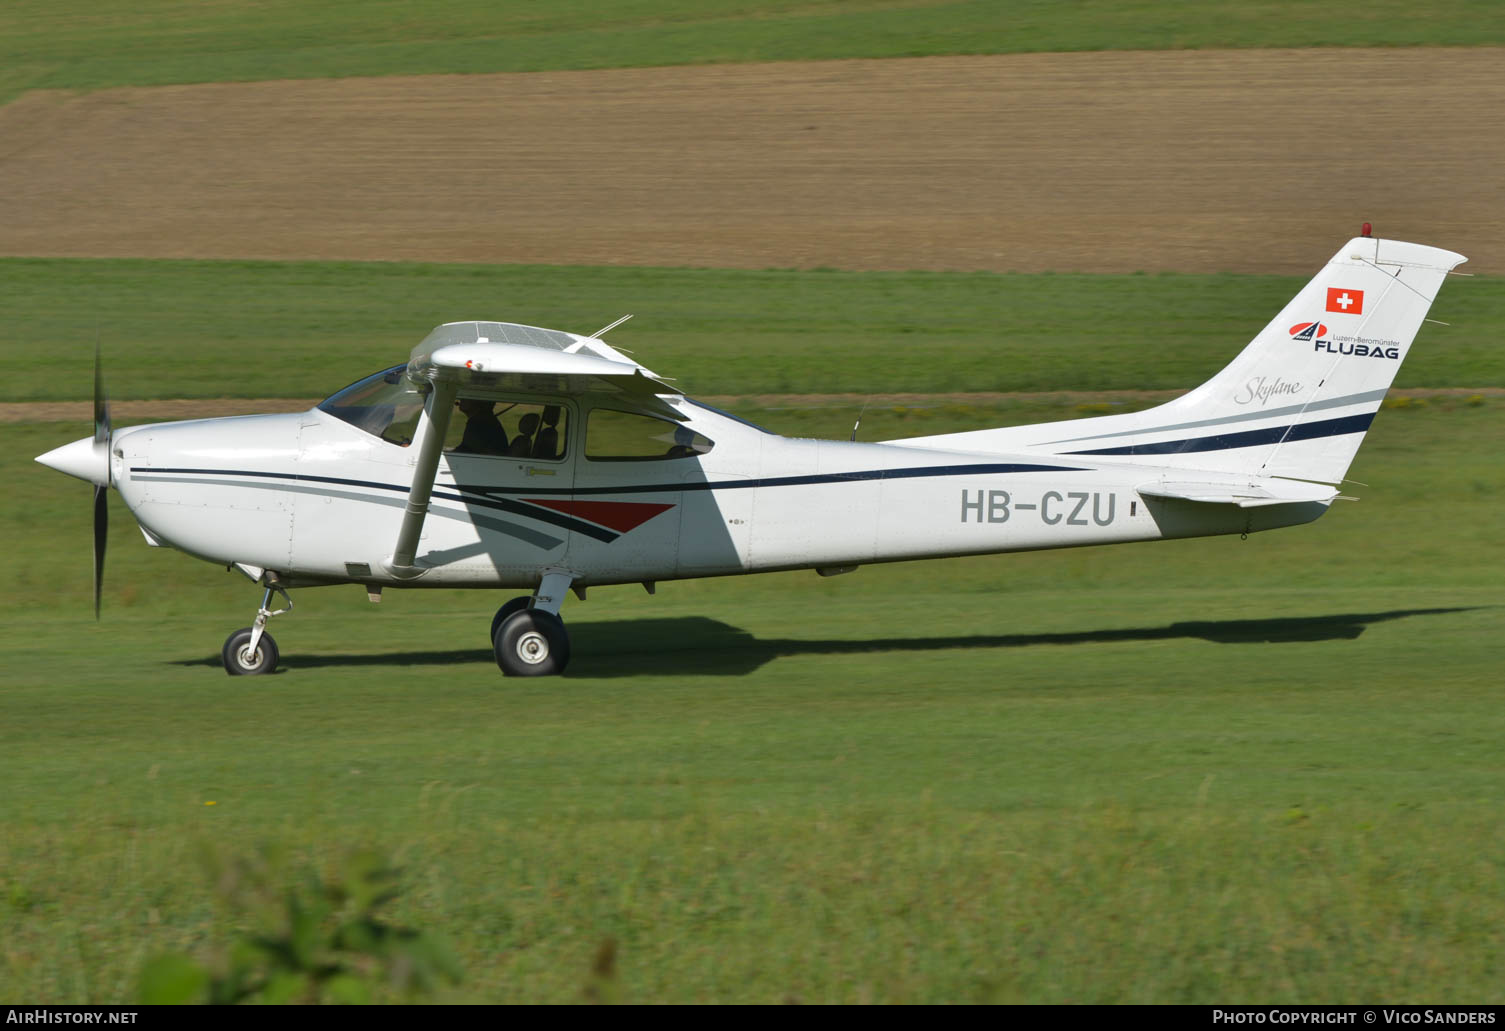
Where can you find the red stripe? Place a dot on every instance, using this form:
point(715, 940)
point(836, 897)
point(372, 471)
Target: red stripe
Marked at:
point(615, 515)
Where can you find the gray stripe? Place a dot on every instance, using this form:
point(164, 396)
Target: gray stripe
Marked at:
point(1315, 406)
point(522, 533)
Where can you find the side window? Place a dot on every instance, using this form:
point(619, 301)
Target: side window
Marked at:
point(612, 436)
point(508, 429)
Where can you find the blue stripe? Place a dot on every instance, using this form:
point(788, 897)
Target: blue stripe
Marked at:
point(543, 515)
point(916, 472)
point(1249, 438)
point(488, 496)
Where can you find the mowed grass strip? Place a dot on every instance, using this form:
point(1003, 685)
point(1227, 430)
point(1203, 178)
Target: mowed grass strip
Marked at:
point(159, 42)
point(184, 329)
point(1218, 770)
point(859, 886)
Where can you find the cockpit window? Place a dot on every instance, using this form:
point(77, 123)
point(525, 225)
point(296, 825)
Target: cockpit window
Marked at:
point(511, 429)
point(612, 436)
point(386, 405)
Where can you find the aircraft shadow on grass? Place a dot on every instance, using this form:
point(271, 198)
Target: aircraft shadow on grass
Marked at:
point(696, 645)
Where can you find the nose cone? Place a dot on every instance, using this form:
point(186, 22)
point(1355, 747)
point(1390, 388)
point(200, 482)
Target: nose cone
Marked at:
point(82, 458)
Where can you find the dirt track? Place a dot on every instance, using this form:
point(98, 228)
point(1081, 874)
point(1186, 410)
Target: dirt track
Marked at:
point(1240, 160)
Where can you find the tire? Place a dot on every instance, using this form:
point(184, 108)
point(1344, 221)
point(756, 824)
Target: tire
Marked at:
point(532, 643)
point(239, 664)
point(515, 605)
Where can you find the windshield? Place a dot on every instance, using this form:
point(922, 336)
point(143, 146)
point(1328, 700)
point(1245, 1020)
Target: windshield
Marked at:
point(386, 405)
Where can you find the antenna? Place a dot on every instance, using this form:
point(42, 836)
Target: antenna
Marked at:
point(859, 418)
point(598, 334)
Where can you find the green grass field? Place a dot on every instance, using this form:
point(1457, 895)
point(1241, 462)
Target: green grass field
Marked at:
point(290, 329)
point(157, 42)
point(1192, 771)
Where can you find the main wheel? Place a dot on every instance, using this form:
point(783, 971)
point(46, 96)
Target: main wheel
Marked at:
point(532, 643)
point(515, 605)
point(241, 662)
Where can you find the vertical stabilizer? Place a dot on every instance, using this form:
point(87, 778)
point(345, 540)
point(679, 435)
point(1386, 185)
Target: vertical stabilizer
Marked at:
point(1295, 402)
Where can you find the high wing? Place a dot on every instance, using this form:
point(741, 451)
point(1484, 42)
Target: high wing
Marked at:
point(483, 358)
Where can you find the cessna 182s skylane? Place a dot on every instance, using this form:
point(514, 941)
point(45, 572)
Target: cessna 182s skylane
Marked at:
point(504, 455)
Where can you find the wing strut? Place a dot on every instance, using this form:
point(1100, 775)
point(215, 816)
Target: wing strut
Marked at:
point(432, 426)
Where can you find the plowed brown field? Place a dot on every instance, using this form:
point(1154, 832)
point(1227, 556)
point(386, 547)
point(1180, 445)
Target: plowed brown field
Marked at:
point(1257, 161)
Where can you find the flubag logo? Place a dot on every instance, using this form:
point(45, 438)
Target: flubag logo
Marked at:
point(1315, 333)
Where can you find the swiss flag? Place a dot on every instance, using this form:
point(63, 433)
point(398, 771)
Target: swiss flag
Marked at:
point(1348, 302)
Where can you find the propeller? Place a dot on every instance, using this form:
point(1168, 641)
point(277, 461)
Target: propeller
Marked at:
point(101, 491)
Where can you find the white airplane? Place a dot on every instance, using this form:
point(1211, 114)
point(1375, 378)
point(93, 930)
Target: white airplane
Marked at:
point(571, 466)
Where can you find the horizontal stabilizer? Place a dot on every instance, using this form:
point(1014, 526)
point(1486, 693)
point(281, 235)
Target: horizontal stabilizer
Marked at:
point(1244, 495)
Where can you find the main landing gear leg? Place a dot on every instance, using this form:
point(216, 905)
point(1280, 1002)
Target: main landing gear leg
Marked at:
point(527, 634)
point(251, 651)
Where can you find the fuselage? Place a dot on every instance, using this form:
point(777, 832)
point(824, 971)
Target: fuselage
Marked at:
point(316, 499)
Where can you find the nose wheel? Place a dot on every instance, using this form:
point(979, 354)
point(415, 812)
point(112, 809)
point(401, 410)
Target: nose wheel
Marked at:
point(242, 659)
point(251, 651)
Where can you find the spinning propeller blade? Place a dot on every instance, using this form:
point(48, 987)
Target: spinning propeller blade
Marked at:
point(101, 405)
point(101, 492)
point(101, 531)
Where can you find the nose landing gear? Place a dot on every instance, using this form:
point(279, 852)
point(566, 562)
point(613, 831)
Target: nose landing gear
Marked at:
point(251, 651)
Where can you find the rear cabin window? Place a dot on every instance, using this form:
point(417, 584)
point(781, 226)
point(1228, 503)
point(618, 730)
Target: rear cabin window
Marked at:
point(612, 436)
point(508, 429)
